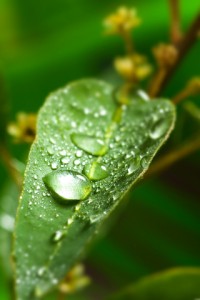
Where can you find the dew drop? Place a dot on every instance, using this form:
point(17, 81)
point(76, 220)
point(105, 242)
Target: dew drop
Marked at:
point(79, 153)
point(90, 144)
point(52, 140)
point(77, 162)
point(58, 235)
point(95, 171)
point(65, 160)
point(143, 95)
point(50, 150)
point(63, 152)
point(67, 185)
point(54, 165)
point(96, 218)
point(41, 271)
point(69, 221)
point(145, 161)
point(158, 129)
point(134, 165)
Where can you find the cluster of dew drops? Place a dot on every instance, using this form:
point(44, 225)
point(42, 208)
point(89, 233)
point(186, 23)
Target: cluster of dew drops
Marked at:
point(77, 170)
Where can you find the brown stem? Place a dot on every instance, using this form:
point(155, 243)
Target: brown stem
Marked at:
point(185, 46)
point(175, 30)
point(8, 162)
point(170, 158)
point(181, 96)
point(157, 81)
point(128, 42)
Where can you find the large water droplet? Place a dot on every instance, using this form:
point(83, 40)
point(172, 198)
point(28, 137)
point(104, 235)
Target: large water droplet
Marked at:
point(67, 185)
point(158, 129)
point(90, 144)
point(95, 171)
point(134, 165)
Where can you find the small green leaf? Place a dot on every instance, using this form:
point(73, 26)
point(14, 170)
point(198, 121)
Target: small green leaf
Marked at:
point(174, 284)
point(82, 131)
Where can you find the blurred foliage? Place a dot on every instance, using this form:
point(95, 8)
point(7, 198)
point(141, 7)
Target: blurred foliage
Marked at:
point(45, 44)
point(175, 284)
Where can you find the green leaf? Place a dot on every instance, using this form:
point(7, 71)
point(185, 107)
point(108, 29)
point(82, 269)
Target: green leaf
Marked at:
point(174, 284)
point(60, 208)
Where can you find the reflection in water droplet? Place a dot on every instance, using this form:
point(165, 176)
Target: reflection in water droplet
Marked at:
point(134, 165)
point(95, 171)
point(90, 144)
point(58, 235)
point(158, 129)
point(67, 185)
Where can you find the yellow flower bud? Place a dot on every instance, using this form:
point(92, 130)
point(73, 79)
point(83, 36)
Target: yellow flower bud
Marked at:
point(24, 129)
point(165, 55)
point(122, 20)
point(133, 68)
point(75, 280)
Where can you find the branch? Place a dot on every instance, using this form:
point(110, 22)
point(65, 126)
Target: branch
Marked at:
point(170, 158)
point(175, 30)
point(8, 162)
point(185, 46)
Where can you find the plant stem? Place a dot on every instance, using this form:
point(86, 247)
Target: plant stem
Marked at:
point(168, 159)
point(180, 96)
point(7, 160)
point(159, 82)
point(175, 30)
point(128, 42)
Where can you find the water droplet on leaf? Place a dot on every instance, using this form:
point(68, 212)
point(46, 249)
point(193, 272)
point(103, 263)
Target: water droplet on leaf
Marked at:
point(95, 171)
point(90, 144)
point(50, 150)
point(134, 165)
point(145, 161)
point(67, 185)
point(158, 129)
point(65, 160)
point(54, 165)
point(58, 235)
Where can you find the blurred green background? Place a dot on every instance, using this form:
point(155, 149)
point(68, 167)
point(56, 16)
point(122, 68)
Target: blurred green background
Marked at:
point(46, 44)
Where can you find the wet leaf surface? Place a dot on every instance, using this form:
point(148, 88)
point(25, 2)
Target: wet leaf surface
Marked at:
point(82, 133)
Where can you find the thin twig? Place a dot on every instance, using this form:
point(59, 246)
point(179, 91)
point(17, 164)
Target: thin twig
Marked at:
point(180, 96)
point(175, 30)
point(170, 158)
point(128, 42)
point(186, 44)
